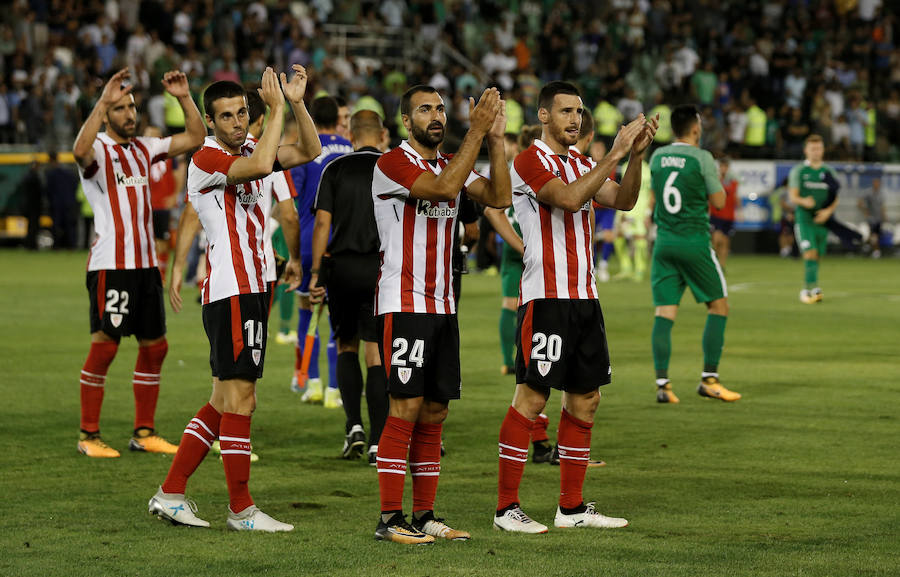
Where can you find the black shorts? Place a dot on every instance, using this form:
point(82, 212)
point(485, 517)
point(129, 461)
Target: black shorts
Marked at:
point(237, 329)
point(350, 281)
point(161, 220)
point(562, 344)
point(726, 227)
point(127, 302)
point(271, 286)
point(420, 353)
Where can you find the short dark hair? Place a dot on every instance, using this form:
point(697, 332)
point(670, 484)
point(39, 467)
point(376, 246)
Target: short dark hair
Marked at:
point(407, 96)
point(255, 105)
point(324, 112)
point(221, 89)
point(684, 117)
point(549, 92)
point(341, 101)
point(587, 123)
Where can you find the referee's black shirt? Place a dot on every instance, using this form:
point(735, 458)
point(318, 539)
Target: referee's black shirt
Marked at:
point(345, 191)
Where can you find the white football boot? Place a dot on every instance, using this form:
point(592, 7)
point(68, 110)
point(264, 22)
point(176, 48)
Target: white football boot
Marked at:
point(516, 521)
point(589, 518)
point(175, 508)
point(252, 519)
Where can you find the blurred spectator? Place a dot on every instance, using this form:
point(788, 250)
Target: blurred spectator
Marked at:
point(61, 185)
point(795, 132)
point(31, 188)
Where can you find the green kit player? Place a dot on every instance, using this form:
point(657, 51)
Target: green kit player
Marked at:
point(685, 180)
point(812, 188)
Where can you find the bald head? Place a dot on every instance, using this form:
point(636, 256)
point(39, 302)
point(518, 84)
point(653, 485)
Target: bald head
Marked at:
point(366, 129)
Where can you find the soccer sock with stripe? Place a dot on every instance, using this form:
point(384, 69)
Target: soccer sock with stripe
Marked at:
point(393, 448)
point(93, 382)
point(195, 443)
point(234, 440)
point(332, 354)
point(305, 317)
point(350, 379)
point(812, 273)
point(515, 433)
point(713, 341)
point(574, 444)
point(507, 336)
point(625, 265)
point(145, 383)
point(425, 464)
point(539, 429)
point(376, 402)
point(662, 345)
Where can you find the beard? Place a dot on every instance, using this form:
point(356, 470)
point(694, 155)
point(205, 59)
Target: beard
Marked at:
point(425, 137)
point(127, 130)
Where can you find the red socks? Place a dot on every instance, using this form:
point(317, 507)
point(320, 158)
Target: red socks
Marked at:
point(574, 444)
point(539, 431)
point(93, 379)
point(234, 439)
point(515, 434)
point(195, 443)
point(146, 383)
point(424, 464)
point(392, 450)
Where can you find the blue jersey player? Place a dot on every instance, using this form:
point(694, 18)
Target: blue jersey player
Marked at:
point(325, 113)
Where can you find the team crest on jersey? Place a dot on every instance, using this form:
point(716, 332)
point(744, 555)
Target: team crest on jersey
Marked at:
point(257, 356)
point(404, 373)
point(435, 210)
point(115, 319)
point(544, 367)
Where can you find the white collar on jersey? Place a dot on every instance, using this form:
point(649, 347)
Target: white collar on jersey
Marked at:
point(107, 139)
point(544, 147)
point(405, 145)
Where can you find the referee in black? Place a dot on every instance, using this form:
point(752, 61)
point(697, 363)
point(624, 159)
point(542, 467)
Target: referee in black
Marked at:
point(347, 267)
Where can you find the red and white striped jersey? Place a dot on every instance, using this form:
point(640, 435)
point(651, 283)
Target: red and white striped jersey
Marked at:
point(279, 187)
point(416, 236)
point(117, 186)
point(559, 252)
point(233, 219)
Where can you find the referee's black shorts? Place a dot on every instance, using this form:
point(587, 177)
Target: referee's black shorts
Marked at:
point(350, 282)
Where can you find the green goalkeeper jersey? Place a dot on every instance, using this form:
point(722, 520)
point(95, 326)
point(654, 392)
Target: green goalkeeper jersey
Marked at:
point(810, 182)
point(683, 177)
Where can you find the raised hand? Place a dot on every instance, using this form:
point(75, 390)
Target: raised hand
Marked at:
point(296, 88)
point(627, 135)
point(176, 83)
point(270, 89)
point(645, 137)
point(115, 89)
point(498, 129)
point(483, 114)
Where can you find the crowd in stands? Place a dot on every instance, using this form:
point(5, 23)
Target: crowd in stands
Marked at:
point(766, 73)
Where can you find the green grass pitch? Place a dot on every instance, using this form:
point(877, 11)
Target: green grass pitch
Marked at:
point(801, 477)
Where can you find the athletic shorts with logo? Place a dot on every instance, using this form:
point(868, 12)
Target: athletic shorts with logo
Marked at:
point(350, 280)
point(237, 329)
point(420, 353)
point(811, 236)
point(677, 266)
point(127, 302)
point(562, 345)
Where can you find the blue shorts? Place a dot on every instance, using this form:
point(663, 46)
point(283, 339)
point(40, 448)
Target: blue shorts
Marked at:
point(726, 227)
point(305, 268)
point(606, 218)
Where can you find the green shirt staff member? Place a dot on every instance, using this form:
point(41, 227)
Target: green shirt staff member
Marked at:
point(684, 179)
point(812, 188)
